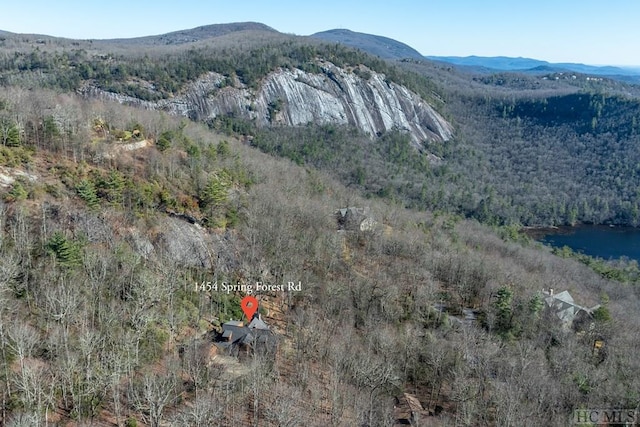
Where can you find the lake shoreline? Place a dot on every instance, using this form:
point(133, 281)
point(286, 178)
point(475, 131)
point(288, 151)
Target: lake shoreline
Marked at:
point(602, 241)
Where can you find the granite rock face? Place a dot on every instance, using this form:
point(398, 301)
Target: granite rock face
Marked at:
point(293, 97)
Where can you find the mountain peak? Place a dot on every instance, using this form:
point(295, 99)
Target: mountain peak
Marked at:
point(171, 38)
point(197, 33)
point(383, 47)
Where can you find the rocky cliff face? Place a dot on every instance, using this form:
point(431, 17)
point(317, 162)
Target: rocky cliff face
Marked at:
point(293, 97)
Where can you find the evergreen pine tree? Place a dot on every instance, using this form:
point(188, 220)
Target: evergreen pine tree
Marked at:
point(9, 133)
point(66, 252)
point(87, 192)
point(217, 190)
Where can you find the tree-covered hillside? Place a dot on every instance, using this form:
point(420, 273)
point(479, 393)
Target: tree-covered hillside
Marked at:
point(113, 219)
point(531, 150)
point(554, 160)
point(160, 72)
point(119, 226)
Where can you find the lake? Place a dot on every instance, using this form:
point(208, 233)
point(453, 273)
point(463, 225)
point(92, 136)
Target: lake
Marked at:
point(596, 240)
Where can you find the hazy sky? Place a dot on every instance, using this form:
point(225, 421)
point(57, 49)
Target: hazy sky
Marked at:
point(587, 31)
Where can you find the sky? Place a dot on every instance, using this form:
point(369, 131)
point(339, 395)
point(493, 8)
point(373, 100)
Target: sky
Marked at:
point(584, 31)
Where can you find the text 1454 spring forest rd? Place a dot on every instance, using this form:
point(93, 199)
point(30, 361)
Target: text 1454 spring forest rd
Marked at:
point(248, 288)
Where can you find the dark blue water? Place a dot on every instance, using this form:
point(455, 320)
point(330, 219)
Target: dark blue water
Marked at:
point(599, 241)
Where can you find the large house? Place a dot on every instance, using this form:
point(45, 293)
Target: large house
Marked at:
point(565, 308)
point(236, 336)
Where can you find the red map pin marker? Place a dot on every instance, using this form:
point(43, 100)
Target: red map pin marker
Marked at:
point(249, 306)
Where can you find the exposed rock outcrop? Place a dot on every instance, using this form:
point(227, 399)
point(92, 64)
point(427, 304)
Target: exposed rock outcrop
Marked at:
point(191, 245)
point(9, 175)
point(293, 97)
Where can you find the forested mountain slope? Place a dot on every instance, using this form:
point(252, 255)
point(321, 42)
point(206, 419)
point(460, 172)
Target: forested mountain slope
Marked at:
point(114, 218)
point(535, 150)
point(553, 159)
point(116, 221)
point(190, 36)
point(285, 83)
point(383, 47)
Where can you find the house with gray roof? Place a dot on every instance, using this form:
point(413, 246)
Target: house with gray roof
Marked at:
point(236, 336)
point(355, 219)
point(565, 308)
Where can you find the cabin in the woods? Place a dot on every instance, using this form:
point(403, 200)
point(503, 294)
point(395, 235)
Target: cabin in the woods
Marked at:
point(237, 337)
point(355, 219)
point(565, 308)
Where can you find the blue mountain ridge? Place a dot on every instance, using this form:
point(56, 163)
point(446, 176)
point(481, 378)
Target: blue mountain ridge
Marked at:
point(505, 63)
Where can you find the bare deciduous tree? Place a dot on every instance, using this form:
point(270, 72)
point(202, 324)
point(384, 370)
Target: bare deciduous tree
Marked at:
point(154, 392)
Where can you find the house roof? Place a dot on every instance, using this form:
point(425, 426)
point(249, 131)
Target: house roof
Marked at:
point(235, 332)
point(408, 409)
point(564, 296)
point(257, 323)
point(235, 323)
point(564, 306)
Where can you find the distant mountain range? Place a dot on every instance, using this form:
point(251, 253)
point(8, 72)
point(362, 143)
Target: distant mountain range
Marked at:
point(504, 63)
point(383, 47)
point(391, 49)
